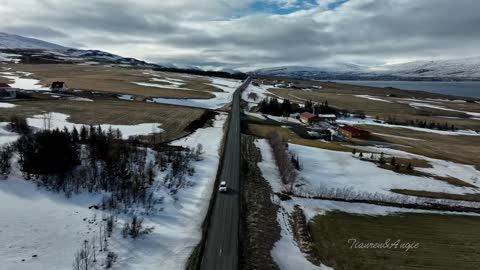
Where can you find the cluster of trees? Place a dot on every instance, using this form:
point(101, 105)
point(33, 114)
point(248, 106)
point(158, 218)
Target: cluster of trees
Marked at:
point(220, 74)
point(320, 108)
point(252, 96)
point(421, 124)
point(273, 107)
point(95, 160)
point(134, 228)
point(47, 152)
point(287, 168)
point(382, 160)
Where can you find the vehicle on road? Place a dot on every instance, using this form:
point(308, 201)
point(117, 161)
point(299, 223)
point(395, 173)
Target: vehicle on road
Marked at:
point(223, 187)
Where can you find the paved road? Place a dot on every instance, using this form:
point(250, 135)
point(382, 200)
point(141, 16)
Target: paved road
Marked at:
point(221, 246)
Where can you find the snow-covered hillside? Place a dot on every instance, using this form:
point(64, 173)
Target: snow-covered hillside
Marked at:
point(13, 48)
point(8, 41)
point(457, 69)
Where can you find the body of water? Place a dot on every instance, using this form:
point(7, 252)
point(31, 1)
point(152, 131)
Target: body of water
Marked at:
point(464, 89)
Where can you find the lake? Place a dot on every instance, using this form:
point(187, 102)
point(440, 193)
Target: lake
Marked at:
point(464, 89)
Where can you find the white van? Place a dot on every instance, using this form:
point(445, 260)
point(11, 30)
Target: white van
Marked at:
point(223, 186)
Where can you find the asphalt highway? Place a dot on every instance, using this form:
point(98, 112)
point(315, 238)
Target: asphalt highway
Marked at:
point(221, 246)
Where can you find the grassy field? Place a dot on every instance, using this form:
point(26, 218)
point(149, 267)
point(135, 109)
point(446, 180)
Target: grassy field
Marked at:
point(117, 80)
point(110, 111)
point(445, 241)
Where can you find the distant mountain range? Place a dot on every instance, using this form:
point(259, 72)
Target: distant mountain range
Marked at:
point(441, 70)
point(19, 49)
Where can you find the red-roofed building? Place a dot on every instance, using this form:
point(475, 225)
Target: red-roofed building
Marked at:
point(308, 118)
point(352, 132)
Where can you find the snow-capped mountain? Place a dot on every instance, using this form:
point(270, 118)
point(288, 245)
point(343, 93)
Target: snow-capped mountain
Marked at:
point(14, 48)
point(456, 69)
point(8, 41)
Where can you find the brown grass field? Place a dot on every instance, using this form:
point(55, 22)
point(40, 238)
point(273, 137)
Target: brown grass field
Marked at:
point(117, 80)
point(445, 241)
point(174, 119)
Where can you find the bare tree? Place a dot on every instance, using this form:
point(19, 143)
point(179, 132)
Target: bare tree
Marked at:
point(85, 257)
point(6, 153)
point(287, 170)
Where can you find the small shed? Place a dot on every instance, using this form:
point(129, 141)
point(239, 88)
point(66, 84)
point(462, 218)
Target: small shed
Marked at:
point(58, 86)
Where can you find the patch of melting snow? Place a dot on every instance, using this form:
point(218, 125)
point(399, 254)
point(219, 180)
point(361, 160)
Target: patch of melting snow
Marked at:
point(7, 105)
point(373, 98)
point(126, 97)
point(24, 83)
point(79, 99)
point(416, 105)
point(220, 100)
point(398, 137)
point(60, 120)
point(165, 86)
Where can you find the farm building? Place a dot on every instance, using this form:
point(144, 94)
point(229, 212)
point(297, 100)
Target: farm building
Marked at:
point(6, 92)
point(58, 86)
point(353, 132)
point(308, 118)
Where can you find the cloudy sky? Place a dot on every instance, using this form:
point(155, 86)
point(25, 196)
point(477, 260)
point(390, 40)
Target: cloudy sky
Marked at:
point(249, 34)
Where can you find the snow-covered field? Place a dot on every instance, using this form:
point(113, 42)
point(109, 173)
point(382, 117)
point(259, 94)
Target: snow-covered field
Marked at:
point(60, 120)
point(285, 252)
point(52, 227)
point(332, 170)
point(23, 83)
point(42, 223)
point(466, 173)
point(221, 98)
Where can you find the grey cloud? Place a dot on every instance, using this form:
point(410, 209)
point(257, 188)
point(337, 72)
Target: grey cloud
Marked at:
point(196, 32)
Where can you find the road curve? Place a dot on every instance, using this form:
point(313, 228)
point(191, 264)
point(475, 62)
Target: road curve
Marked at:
point(221, 244)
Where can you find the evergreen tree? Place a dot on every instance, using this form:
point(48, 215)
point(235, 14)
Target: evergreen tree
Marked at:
point(393, 161)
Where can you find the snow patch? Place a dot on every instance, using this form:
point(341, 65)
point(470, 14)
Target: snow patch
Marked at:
point(7, 105)
point(220, 100)
point(24, 83)
point(60, 120)
point(372, 98)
